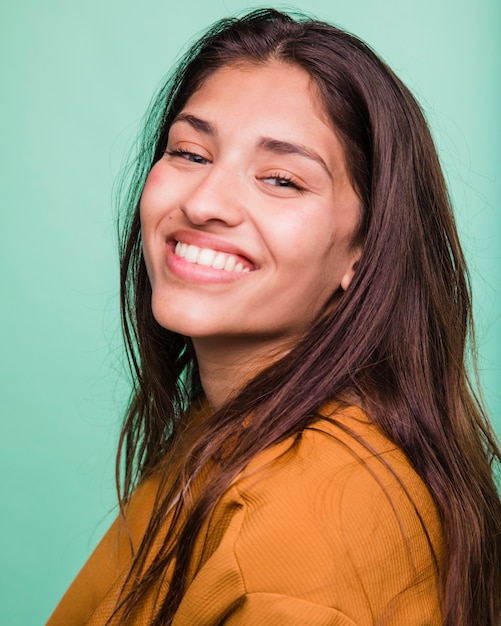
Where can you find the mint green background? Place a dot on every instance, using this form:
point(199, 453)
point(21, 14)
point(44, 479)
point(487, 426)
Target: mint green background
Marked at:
point(76, 78)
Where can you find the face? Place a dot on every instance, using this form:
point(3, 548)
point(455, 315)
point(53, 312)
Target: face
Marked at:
point(248, 218)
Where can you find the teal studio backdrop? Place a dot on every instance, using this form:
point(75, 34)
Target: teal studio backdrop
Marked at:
point(76, 78)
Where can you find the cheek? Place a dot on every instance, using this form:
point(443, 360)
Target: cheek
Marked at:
point(148, 214)
point(317, 253)
point(155, 176)
point(308, 238)
point(152, 205)
point(151, 191)
point(146, 245)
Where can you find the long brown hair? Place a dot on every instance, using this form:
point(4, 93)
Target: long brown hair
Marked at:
point(397, 338)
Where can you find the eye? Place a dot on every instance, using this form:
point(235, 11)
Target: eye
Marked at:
point(192, 157)
point(283, 181)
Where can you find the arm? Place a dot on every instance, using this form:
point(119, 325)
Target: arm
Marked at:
point(102, 574)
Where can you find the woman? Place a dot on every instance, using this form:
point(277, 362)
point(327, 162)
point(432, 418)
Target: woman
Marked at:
point(302, 444)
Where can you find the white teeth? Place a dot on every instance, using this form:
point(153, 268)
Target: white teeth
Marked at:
point(219, 261)
point(206, 257)
point(209, 258)
point(191, 254)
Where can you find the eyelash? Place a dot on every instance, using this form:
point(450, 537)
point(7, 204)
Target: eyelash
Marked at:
point(187, 155)
point(291, 182)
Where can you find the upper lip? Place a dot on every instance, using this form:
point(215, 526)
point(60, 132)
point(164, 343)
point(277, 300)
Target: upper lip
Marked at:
point(205, 240)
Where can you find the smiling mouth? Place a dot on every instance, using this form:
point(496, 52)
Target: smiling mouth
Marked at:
point(211, 258)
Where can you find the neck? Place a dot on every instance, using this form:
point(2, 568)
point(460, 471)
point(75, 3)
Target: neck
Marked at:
point(227, 366)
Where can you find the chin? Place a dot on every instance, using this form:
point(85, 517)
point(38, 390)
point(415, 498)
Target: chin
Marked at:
point(186, 321)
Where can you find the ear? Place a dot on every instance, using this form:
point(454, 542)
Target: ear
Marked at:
point(350, 272)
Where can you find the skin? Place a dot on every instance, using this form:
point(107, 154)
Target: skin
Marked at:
point(253, 169)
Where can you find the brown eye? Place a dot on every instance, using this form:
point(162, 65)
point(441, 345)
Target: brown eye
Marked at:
point(188, 156)
point(284, 181)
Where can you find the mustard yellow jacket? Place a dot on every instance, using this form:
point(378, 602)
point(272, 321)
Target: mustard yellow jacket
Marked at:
point(329, 532)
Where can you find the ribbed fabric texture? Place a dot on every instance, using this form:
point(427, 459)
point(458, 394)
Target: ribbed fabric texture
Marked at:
point(320, 533)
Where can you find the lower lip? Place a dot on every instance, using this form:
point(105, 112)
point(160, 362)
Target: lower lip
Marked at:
point(198, 273)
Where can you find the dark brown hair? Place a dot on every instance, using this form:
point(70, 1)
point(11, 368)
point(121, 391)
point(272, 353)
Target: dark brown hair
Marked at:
point(396, 340)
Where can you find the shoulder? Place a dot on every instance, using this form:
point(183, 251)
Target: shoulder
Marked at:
point(341, 459)
point(337, 517)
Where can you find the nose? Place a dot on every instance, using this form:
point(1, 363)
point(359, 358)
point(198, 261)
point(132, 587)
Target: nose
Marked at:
point(215, 197)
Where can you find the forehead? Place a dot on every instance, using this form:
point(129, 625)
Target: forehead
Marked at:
point(263, 86)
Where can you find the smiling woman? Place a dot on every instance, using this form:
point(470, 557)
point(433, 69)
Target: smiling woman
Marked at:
point(302, 445)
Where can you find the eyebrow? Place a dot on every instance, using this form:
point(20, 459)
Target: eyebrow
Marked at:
point(269, 144)
point(195, 122)
point(285, 147)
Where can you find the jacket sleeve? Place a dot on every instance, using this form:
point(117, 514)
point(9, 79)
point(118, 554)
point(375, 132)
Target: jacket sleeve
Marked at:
point(104, 570)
